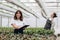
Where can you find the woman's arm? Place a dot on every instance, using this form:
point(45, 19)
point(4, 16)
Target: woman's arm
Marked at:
point(44, 16)
point(15, 26)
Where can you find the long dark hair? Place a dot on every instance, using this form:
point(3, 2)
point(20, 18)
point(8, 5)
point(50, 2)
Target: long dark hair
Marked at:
point(21, 17)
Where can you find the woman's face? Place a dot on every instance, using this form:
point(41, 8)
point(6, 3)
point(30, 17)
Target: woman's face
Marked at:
point(18, 15)
point(52, 15)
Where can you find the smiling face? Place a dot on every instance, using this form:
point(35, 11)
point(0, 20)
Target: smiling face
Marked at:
point(18, 15)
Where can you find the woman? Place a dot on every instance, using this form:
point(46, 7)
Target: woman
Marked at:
point(49, 22)
point(17, 22)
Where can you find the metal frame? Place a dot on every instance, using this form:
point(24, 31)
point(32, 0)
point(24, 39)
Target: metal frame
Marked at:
point(22, 6)
point(41, 5)
point(13, 8)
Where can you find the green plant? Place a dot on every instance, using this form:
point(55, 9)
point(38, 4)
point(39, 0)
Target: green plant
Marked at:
point(39, 31)
point(6, 33)
point(31, 31)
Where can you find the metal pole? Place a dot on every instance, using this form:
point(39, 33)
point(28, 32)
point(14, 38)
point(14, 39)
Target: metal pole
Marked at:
point(8, 21)
point(57, 11)
point(36, 22)
point(1, 21)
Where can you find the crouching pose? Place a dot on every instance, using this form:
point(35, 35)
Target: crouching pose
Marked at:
point(18, 23)
point(49, 22)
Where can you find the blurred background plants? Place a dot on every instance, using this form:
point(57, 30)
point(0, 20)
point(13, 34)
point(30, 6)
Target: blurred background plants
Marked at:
point(39, 31)
point(29, 34)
